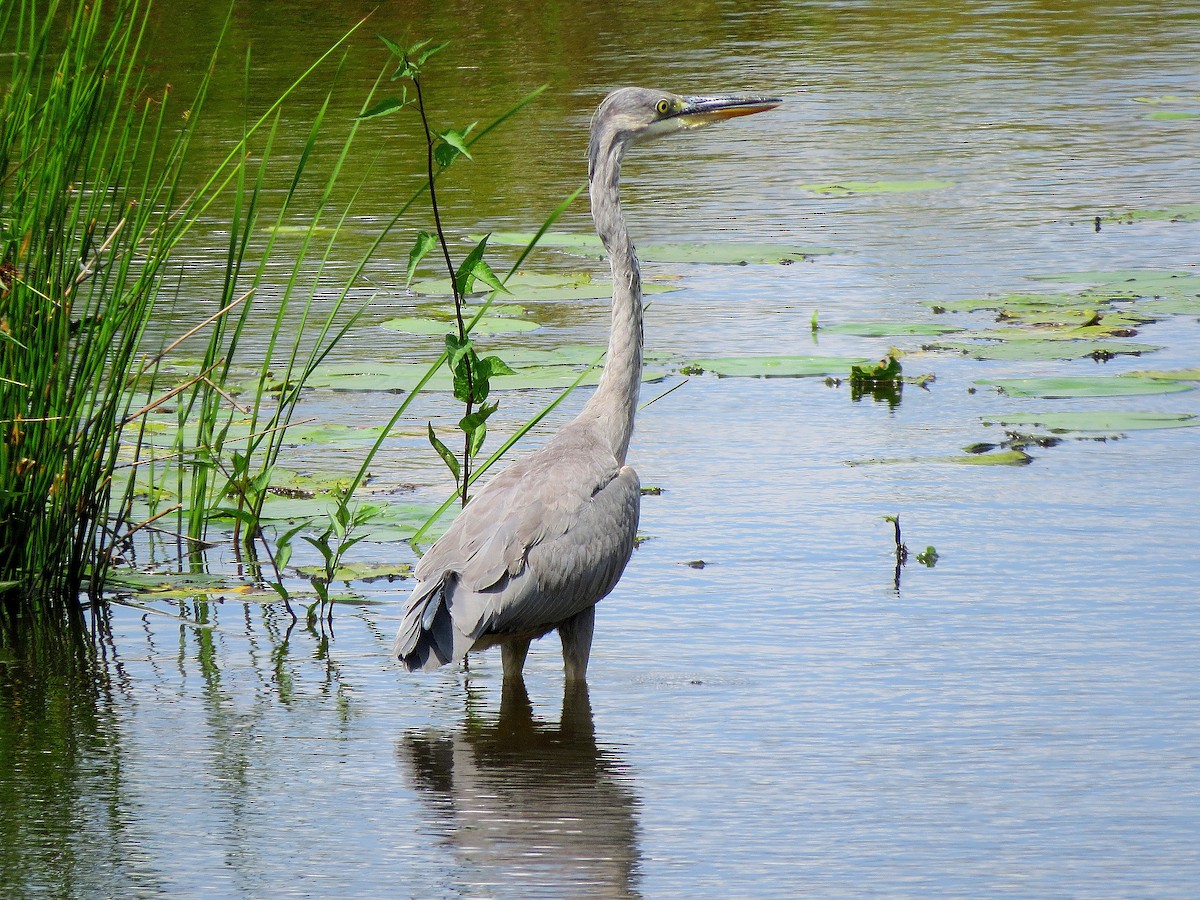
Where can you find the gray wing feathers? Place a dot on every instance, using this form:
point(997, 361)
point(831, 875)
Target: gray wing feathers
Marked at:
point(578, 566)
point(542, 541)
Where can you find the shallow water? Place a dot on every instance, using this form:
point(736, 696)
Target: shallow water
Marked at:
point(1021, 719)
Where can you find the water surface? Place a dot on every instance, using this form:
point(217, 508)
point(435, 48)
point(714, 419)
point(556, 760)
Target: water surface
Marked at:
point(1020, 720)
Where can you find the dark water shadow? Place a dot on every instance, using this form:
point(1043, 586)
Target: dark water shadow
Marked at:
point(60, 759)
point(530, 807)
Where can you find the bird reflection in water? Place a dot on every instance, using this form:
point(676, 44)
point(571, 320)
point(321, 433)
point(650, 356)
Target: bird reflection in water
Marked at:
point(530, 806)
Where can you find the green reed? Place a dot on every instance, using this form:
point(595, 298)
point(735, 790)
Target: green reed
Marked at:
point(92, 163)
point(96, 196)
point(83, 236)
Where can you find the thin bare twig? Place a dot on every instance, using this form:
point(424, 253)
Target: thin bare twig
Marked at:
point(89, 266)
point(124, 539)
point(187, 334)
point(245, 410)
point(174, 392)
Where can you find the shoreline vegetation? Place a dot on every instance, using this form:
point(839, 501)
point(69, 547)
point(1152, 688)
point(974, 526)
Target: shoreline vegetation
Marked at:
point(93, 166)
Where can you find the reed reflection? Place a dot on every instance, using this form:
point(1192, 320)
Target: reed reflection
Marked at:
point(530, 805)
point(62, 815)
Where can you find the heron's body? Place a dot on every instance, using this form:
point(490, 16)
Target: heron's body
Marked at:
point(549, 537)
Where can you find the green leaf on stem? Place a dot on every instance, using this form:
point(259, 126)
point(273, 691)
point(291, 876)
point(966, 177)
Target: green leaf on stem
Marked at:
point(475, 426)
point(453, 140)
point(456, 348)
point(395, 49)
point(494, 365)
point(483, 272)
point(464, 278)
point(384, 107)
point(420, 249)
point(465, 389)
point(424, 55)
point(443, 451)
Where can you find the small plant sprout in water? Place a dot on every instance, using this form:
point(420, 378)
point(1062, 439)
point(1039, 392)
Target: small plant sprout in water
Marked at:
point(928, 558)
point(332, 544)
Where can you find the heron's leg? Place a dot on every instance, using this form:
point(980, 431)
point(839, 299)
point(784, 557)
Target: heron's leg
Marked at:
point(576, 634)
point(512, 656)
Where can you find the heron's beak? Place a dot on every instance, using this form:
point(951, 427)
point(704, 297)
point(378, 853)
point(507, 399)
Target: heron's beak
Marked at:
point(700, 111)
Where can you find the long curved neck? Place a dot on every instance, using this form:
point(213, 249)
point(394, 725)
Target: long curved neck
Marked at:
point(615, 402)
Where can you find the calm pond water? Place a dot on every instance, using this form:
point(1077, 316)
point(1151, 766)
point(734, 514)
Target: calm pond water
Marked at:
point(1022, 719)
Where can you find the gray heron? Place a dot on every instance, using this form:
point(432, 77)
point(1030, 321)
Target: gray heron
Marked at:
point(542, 542)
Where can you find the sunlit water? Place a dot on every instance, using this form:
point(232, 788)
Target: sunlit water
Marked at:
point(1021, 719)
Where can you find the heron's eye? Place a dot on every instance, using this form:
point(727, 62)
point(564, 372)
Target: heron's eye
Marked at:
point(664, 106)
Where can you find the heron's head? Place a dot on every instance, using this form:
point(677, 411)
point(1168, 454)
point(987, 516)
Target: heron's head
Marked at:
point(631, 114)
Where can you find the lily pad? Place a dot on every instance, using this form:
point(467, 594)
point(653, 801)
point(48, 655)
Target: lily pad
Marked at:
point(1103, 421)
point(714, 252)
point(1133, 282)
point(150, 581)
point(528, 287)
point(187, 586)
point(330, 434)
point(582, 244)
point(999, 458)
point(731, 253)
point(1016, 301)
point(377, 375)
point(887, 329)
point(1109, 288)
point(1105, 328)
point(532, 369)
point(1185, 212)
point(847, 188)
point(562, 355)
point(773, 366)
point(1084, 316)
point(361, 571)
point(1084, 386)
point(1133, 285)
point(438, 308)
point(1043, 350)
point(1173, 306)
point(1167, 98)
point(486, 325)
point(386, 522)
point(288, 482)
point(1169, 374)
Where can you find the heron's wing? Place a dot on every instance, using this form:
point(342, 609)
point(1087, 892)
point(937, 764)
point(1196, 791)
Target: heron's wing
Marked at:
point(541, 541)
point(577, 561)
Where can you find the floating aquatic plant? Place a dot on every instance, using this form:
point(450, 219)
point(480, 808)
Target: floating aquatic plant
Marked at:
point(889, 329)
point(1107, 421)
point(1032, 350)
point(712, 252)
point(1065, 386)
point(772, 366)
point(1184, 212)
